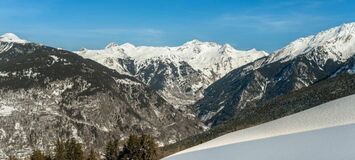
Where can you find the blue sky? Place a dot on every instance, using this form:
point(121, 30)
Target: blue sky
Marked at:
point(262, 24)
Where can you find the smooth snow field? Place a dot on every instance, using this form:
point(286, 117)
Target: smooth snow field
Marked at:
point(323, 132)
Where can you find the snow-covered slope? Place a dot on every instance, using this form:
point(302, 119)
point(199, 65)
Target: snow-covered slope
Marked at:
point(325, 144)
point(338, 42)
point(11, 38)
point(332, 114)
point(8, 39)
point(190, 68)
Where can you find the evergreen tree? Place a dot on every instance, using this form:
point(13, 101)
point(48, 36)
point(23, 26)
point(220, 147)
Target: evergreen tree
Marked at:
point(149, 148)
point(12, 158)
point(70, 150)
point(92, 155)
point(73, 150)
point(139, 148)
point(131, 150)
point(48, 157)
point(59, 151)
point(112, 150)
point(37, 155)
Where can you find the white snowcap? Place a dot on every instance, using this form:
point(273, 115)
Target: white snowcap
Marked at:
point(196, 42)
point(208, 57)
point(127, 46)
point(111, 45)
point(11, 38)
point(340, 41)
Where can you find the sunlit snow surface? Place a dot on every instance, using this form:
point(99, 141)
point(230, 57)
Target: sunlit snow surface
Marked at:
point(207, 57)
point(324, 132)
point(11, 38)
point(338, 41)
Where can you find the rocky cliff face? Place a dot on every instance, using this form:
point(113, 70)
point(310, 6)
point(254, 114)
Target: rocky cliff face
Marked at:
point(48, 93)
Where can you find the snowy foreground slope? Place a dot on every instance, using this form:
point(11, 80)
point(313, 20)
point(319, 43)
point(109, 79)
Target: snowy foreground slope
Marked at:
point(323, 132)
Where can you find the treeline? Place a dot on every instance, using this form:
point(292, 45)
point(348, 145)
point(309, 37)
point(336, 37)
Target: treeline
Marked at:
point(141, 147)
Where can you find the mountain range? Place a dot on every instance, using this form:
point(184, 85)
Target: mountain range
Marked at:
point(300, 64)
point(180, 74)
point(48, 94)
point(171, 93)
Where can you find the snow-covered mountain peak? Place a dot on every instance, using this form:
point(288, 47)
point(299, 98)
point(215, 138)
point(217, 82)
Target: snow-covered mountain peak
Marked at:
point(227, 48)
point(227, 45)
point(82, 49)
point(209, 57)
point(127, 46)
point(338, 42)
point(190, 68)
point(342, 34)
point(196, 43)
point(347, 27)
point(112, 45)
point(12, 38)
point(193, 42)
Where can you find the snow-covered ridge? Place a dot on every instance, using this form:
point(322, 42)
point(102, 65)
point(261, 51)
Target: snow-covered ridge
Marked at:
point(208, 57)
point(339, 41)
point(335, 113)
point(179, 73)
point(11, 38)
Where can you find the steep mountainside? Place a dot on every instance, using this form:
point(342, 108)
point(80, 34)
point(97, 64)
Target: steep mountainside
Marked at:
point(48, 93)
point(300, 64)
point(180, 73)
point(278, 107)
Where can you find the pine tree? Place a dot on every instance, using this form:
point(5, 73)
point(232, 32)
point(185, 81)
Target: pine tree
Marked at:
point(149, 148)
point(131, 149)
point(139, 148)
point(37, 155)
point(112, 150)
point(92, 155)
point(12, 158)
point(59, 151)
point(48, 157)
point(73, 150)
point(70, 150)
